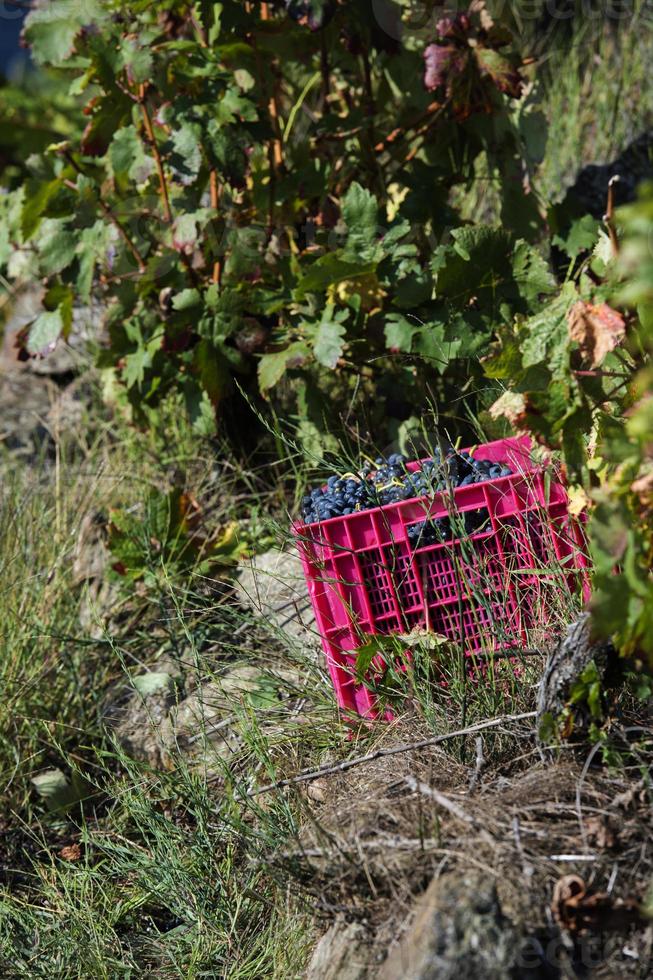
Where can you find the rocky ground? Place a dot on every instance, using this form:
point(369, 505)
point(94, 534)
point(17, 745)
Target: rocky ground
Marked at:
point(419, 866)
point(38, 398)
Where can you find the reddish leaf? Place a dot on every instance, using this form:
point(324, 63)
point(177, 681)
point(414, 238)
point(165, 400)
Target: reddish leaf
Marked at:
point(453, 27)
point(442, 64)
point(577, 909)
point(596, 329)
point(501, 70)
point(72, 852)
point(642, 487)
point(107, 115)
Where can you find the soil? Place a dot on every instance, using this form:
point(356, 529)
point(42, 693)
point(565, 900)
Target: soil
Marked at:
point(377, 839)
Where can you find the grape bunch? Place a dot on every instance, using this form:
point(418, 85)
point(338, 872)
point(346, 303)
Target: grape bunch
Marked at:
point(440, 529)
point(313, 14)
point(429, 532)
point(389, 481)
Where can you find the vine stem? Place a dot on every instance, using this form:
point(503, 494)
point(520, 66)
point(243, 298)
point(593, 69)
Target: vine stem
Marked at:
point(273, 105)
point(275, 154)
point(149, 130)
point(215, 204)
point(608, 217)
point(108, 213)
point(325, 72)
point(213, 174)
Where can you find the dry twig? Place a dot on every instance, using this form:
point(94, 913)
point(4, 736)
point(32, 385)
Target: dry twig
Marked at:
point(309, 775)
point(450, 805)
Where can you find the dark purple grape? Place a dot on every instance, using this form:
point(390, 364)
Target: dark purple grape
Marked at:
point(391, 483)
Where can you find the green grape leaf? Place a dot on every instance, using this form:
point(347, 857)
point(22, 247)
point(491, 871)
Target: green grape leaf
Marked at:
point(272, 367)
point(137, 362)
point(330, 338)
point(533, 277)
point(137, 60)
point(390, 647)
point(38, 196)
point(186, 156)
point(212, 370)
point(581, 237)
point(234, 105)
point(546, 339)
point(187, 229)
point(61, 298)
point(186, 299)
point(93, 244)
point(228, 147)
point(430, 342)
point(57, 245)
point(200, 409)
point(506, 362)
point(399, 332)
point(476, 267)
point(51, 29)
point(128, 156)
point(361, 214)
point(45, 332)
point(329, 270)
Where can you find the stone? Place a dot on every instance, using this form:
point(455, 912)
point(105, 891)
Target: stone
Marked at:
point(40, 398)
point(272, 586)
point(140, 723)
point(456, 931)
point(341, 954)
point(201, 725)
point(69, 408)
point(24, 406)
point(152, 720)
point(90, 557)
point(99, 601)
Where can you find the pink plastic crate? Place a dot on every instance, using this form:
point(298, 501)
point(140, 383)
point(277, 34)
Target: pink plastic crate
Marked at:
point(483, 591)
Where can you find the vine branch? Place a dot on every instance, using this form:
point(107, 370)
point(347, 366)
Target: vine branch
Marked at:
point(109, 214)
point(215, 204)
point(151, 138)
point(608, 217)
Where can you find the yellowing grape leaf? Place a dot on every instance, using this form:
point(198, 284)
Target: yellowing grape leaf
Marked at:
point(511, 405)
point(596, 329)
point(578, 501)
point(643, 487)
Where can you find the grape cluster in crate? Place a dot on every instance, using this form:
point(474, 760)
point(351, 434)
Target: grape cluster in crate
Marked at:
point(394, 480)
